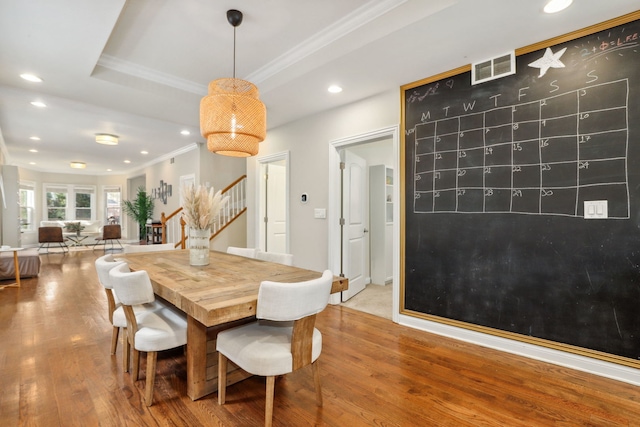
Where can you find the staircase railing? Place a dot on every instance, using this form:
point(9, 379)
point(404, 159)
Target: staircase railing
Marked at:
point(173, 225)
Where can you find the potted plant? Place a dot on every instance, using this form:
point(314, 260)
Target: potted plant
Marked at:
point(74, 227)
point(140, 209)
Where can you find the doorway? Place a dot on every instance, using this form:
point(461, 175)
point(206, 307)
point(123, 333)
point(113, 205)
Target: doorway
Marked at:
point(272, 226)
point(379, 147)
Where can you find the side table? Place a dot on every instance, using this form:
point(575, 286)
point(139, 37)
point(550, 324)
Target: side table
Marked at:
point(16, 266)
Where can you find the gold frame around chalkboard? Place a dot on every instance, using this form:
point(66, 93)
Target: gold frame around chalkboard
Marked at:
point(633, 16)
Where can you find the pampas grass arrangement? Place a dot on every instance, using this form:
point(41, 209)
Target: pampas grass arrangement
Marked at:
point(201, 207)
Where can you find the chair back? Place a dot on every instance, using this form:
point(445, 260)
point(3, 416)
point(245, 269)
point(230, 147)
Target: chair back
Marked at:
point(292, 301)
point(280, 258)
point(104, 264)
point(112, 231)
point(132, 287)
point(129, 249)
point(245, 252)
point(50, 235)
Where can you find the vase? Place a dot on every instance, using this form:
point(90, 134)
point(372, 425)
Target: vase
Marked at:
point(199, 246)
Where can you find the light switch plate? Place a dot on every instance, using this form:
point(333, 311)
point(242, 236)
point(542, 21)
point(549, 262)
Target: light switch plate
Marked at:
point(320, 213)
point(596, 209)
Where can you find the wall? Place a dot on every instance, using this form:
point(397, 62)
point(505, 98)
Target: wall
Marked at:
point(169, 170)
point(308, 142)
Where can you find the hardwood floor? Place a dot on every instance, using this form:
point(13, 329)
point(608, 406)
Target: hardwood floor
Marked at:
point(56, 370)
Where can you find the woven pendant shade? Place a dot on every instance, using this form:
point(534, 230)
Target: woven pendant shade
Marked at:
point(232, 118)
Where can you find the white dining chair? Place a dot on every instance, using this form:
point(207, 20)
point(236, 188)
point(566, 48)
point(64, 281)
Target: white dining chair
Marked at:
point(245, 252)
point(282, 340)
point(280, 258)
point(150, 331)
point(104, 265)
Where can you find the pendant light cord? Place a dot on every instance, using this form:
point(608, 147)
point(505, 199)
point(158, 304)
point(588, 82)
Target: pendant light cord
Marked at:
point(234, 52)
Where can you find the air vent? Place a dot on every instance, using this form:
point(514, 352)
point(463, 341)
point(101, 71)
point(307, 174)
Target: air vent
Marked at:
point(493, 68)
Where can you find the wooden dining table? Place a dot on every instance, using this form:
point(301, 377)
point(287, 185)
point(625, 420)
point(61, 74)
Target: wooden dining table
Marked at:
point(215, 297)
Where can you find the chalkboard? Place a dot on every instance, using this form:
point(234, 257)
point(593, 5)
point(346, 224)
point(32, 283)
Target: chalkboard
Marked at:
point(495, 176)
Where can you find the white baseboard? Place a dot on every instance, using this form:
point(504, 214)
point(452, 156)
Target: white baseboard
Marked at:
point(544, 354)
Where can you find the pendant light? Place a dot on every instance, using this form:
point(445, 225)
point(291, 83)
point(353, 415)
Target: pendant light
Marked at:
point(232, 117)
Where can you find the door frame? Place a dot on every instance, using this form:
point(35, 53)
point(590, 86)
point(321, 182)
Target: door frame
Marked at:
point(260, 161)
point(333, 210)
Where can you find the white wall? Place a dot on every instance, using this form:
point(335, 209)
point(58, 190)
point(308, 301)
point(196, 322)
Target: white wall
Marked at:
point(308, 140)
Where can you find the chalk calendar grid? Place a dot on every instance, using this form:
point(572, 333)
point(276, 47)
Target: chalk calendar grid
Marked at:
point(543, 157)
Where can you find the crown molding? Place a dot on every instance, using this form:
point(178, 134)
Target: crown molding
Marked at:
point(139, 71)
point(351, 22)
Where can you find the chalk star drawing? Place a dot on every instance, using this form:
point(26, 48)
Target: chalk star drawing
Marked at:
point(549, 60)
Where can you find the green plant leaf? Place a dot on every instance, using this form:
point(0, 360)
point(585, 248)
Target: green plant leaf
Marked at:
point(140, 209)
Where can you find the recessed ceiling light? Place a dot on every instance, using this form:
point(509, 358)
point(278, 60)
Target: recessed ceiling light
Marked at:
point(106, 139)
point(34, 138)
point(108, 170)
point(32, 163)
point(144, 152)
point(31, 78)
point(38, 104)
point(127, 161)
point(78, 165)
point(185, 132)
point(334, 89)
point(33, 150)
point(557, 5)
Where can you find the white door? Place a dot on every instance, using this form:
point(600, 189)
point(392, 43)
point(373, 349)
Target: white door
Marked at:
point(355, 213)
point(276, 224)
point(273, 207)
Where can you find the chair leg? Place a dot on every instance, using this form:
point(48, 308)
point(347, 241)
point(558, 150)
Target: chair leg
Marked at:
point(268, 407)
point(136, 364)
point(126, 350)
point(222, 378)
point(316, 380)
point(114, 339)
point(152, 357)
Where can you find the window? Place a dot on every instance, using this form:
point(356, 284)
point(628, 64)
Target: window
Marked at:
point(113, 204)
point(69, 202)
point(56, 203)
point(83, 204)
point(27, 196)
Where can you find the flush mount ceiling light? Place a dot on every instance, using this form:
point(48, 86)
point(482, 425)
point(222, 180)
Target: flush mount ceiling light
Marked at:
point(554, 6)
point(38, 104)
point(334, 89)
point(78, 165)
point(232, 117)
point(31, 78)
point(106, 139)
